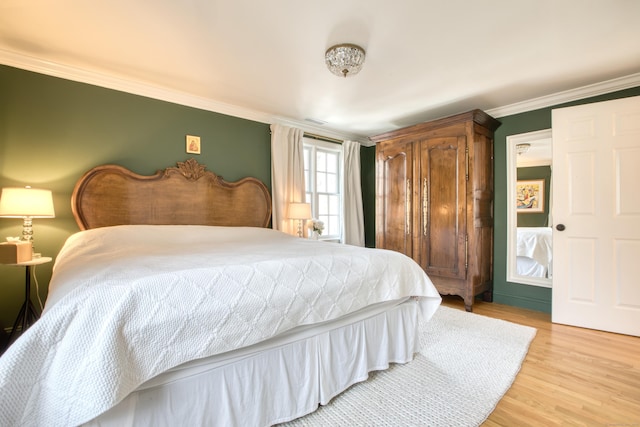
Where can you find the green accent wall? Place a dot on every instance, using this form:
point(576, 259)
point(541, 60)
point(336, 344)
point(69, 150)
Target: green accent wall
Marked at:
point(526, 296)
point(53, 130)
point(368, 183)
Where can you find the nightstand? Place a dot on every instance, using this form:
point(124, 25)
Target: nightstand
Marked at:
point(28, 313)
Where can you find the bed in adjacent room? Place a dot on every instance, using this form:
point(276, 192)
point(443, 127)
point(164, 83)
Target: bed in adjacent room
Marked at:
point(176, 305)
point(534, 252)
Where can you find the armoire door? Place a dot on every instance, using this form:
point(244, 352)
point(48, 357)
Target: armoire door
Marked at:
point(443, 211)
point(394, 174)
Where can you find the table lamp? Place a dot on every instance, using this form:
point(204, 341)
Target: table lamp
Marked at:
point(26, 203)
point(299, 211)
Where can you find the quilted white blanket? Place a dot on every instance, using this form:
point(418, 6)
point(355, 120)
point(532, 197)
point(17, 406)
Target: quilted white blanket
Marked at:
point(536, 243)
point(127, 303)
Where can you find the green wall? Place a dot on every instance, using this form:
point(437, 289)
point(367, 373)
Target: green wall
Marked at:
point(533, 297)
point(368, 176)
point(53, 130)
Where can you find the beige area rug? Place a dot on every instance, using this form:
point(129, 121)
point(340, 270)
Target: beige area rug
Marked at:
point(466, 365)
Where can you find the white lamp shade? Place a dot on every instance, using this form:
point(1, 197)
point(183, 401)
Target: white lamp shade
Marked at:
point(299, 210)
point(26, 202)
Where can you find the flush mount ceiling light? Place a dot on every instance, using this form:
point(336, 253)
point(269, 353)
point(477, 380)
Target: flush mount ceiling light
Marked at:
point(344, 59)
point(522, 148)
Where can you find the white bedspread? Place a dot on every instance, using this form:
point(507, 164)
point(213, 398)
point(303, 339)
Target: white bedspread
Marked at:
point(127, 303)
point(535, 243)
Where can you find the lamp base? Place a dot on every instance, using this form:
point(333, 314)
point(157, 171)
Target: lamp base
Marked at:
point(27, 234)
point(27, 229)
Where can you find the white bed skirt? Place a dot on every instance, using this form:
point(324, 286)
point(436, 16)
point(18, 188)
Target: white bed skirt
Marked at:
point(526, 266)
point(277, 381)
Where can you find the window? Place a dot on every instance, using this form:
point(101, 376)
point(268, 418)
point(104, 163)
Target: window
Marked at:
point(323, 183)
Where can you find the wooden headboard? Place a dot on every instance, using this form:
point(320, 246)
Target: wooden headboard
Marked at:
point(187, 194)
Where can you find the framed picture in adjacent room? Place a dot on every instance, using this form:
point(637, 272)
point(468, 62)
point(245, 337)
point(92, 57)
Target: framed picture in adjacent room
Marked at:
point(530, 196)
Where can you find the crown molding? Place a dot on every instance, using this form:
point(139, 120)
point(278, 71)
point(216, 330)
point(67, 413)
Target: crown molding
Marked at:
point(129, 86)
point(143, 89)
point(601, 88)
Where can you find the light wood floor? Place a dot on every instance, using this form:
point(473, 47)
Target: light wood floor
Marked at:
point(570, 377)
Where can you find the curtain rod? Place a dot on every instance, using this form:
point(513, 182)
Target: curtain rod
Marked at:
point(322, 138)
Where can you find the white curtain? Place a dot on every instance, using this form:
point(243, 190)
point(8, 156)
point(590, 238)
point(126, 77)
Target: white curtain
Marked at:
point(287, 175)
point(353, 217)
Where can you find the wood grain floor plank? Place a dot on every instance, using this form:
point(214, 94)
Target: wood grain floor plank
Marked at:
point(570, 377)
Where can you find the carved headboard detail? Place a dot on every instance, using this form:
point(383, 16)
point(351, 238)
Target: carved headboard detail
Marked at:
point(187, 194)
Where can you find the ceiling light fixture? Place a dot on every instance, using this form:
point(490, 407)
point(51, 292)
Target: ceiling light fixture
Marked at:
point(344, 59)
point(522, 148)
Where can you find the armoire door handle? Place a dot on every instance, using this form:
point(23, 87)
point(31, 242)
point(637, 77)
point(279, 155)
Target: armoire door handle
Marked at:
point(408, 208)
point(425, 205)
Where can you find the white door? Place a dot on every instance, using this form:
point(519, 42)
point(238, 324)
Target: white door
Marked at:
point(596, 259)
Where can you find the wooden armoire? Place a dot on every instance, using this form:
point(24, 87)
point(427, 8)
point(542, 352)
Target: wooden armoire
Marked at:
point(434, 200)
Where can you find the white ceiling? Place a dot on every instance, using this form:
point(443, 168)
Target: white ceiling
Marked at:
point(539, 153)
point(265, 59)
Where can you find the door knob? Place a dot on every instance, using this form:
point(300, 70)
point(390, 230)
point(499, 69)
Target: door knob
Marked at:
point(560, 227)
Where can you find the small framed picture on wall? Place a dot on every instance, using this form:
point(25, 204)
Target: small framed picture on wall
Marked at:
point(193, 144)
point(530, 196)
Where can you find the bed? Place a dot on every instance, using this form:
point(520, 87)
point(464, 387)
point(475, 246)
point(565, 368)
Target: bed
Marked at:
point(176, 305)
point(534, 255)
